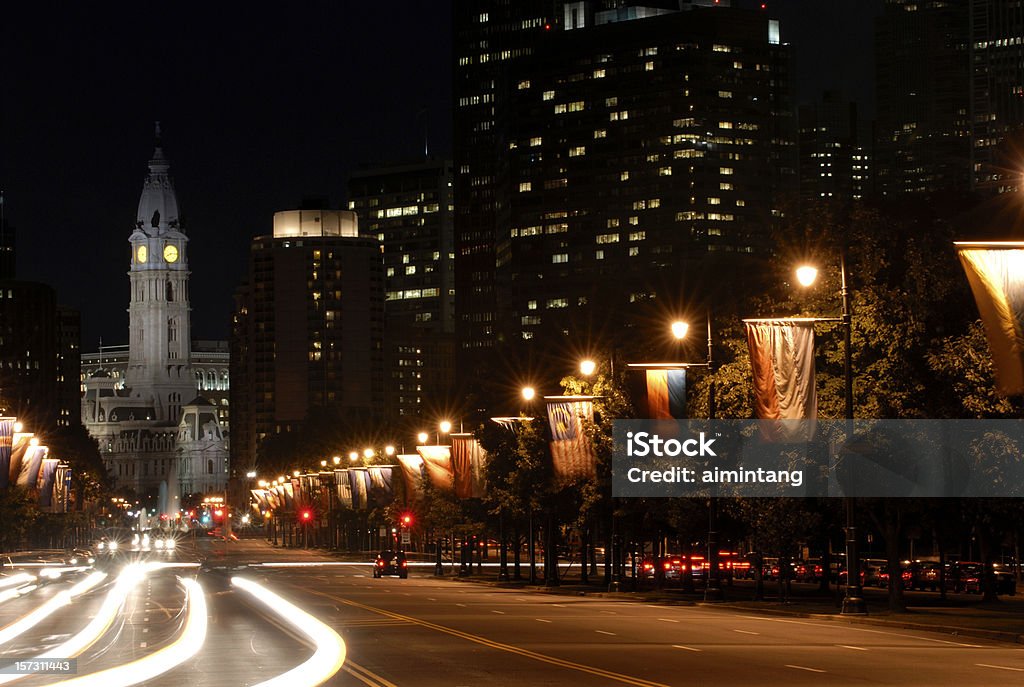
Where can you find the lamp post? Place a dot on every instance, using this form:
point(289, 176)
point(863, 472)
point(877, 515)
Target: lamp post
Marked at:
point(529, 393)
point(806, 275)
point(713, 588)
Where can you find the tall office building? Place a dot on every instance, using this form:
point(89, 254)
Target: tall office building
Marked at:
point(408, 208)
point(950, 94)
point(628, 144)
point(835, 150)
point(69, 366)
point(7, 244)
point(307, 328)
point(29, 352)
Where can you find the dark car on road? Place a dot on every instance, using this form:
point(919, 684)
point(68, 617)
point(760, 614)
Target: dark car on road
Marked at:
point(391, 563)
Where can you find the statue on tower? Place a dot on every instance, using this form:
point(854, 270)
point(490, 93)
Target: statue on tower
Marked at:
point(156, 218)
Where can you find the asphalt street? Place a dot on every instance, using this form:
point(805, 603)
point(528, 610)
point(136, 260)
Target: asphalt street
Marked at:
point(424, 631)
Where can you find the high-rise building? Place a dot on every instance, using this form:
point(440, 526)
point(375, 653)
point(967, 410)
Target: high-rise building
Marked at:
point(138, 418)
point(835, 150)
point(408, 208)
point(69, 366)
point(7, 245)
point(29, 353)
point(626, 145)
point(950, 86)
point(307, 328)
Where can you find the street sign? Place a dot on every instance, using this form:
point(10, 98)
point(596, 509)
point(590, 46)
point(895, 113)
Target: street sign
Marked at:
point(406, 537)
point(383, 531)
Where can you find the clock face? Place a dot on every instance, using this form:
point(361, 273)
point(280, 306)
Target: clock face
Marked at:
point(171, 253)
point(141, 254)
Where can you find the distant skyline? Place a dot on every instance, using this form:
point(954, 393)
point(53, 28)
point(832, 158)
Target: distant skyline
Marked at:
point(259, 109)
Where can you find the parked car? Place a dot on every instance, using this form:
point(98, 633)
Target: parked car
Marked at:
point(967, 577)
point(391, 563)
point(925, 575)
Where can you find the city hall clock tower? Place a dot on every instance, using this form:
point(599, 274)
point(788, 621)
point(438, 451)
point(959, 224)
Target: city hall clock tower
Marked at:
point(159, 337)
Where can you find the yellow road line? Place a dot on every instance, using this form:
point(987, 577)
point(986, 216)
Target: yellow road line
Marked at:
point(526, 653)
point(367, 676)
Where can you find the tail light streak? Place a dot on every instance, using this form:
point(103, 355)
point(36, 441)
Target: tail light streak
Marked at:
point(47, 608)
point(330, 647)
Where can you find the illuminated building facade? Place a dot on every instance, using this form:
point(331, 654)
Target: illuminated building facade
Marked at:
point(408, 208)
point(133, 406)
point(630, 144)
point(950, 95)
point(835, 151)
point(307, 328)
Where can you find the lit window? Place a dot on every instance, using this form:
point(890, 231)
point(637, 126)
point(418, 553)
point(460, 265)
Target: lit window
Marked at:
point(525, 186)
point(411, 269)
point(725, 170)
point(536, 141)
point(611, 102)
point(577, 106)
point(614, 222)
point(548, 95)
point(524, 84)
point(649, 66)
point(624, 176)
point(531, 305)
point(714, 201)
point(665, 172)
point(725, 94)
point(724, 186)
point(558, 303)
point(634, 251)
point(725, 125)
point(560, 108)
point(637, 235)
point(600, 133)
point(599, 255)
point(598, 73)
point(607, 238)
point(577, 151)
point(634, 220)
point(560, 258)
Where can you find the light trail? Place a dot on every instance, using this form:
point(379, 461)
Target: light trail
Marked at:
point(187, 645)
point(19, 579)
point(130, 576)
point(330, 647)
point(59, 600)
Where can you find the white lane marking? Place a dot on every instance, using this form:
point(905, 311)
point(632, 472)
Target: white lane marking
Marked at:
point(862, 629)
point(610, 612)
point(812, 670)
point(461, 605)
point(430, 598)
point(142, 645)
point(668, 620)
point(855, 648)
point(541, 620)
point(989, 665)
point(558, 605)
point(687, 648)
point(747, 632)
point(499, 612)
point(602, 632)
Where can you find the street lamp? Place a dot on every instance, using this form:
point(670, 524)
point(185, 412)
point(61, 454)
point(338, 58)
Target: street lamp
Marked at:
point(337, 460)
point(680, 329)
point(251, 474)
point(529, 393)
point(806, 275)
point(389, 450)
point(323, 463)
point(353, 456)
point(587, 367)
point(368, 453)
point(445, 426)
point(423, 436)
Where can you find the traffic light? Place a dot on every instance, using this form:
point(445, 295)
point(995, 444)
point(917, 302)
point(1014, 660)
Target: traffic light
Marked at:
point(407, 519)
point(306, 515)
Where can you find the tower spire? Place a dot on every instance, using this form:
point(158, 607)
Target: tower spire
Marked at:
point(158, 152)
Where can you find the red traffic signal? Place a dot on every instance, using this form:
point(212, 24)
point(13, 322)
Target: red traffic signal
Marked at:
point(306, 515)
point(407, 519)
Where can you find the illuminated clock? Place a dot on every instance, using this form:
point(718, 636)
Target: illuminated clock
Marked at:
point(171, 253)
point(141, 254)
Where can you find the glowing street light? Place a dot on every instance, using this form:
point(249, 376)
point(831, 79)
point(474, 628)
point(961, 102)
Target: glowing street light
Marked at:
point(587, 367)
point(251, 474)
point(679, 329)
point(423, 436)
point(337, 460)
point(353, 456)
point(389, 450)
point(295, 473)
point(323, 463)
point(445, 426)
point(529, 393)
point(368, 453)
point(806, 275)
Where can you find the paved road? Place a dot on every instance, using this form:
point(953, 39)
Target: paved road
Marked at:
point(426, 632)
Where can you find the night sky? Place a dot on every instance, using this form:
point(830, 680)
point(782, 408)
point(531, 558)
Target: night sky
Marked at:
point(259, 109)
